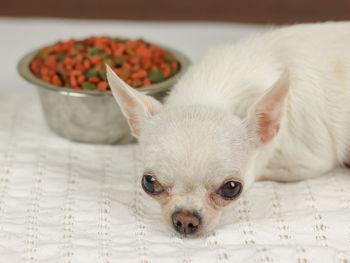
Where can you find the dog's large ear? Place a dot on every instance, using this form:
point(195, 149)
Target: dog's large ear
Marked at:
point(264, 116)
point(136, 107)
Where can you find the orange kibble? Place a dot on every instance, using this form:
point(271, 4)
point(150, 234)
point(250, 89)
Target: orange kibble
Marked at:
point(103, 85)
point(66, 46)
point(113, 45)
point(56, 80)
point(50, 61)
point(175, 65)
point(146, 82)
point(86, 64)
point(75, 72)
point(143, 51)
point(81, 79)
point(80, 67)
point(46, 48)
point(159, 52)
point(121, 50)
point(108, 51)
point(134, 61)
point(67, 61)
point(101, 41)
point(46, 79)
point(73, 81)
point(100, 46)
point(94, 79)
point(34, 66)
point(128, 81)
point(95, 60)
point(44, 71)
point(118, 52)
point(126, 65)
point(158, 60)
point(145, 63)
point(136, 68)
point(77, 87)
point(140, 74)
point(47, 71)
point(121, 46)
point(166, 70)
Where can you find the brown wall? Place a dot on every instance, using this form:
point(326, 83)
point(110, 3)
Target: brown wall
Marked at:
point(259, 11)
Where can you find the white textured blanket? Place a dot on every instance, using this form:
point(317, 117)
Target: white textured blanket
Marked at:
point(70, 202)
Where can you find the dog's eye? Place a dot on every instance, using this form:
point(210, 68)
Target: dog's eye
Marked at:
point(230, 190)
point(151, 185)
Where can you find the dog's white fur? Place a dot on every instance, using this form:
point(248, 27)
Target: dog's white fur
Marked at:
point(273, 106)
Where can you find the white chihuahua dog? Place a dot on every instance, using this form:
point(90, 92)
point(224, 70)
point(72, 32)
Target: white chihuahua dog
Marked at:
point(271, 107)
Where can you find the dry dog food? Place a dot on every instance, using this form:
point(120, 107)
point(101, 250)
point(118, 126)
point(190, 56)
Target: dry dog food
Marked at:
point(80, 64)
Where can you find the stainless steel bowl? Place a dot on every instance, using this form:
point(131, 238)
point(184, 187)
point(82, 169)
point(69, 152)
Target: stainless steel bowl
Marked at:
point(91, 116)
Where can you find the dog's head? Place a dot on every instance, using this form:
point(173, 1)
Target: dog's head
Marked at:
point(195, 157)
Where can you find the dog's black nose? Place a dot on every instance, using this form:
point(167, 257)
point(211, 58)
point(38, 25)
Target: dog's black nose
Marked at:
point(186, 222)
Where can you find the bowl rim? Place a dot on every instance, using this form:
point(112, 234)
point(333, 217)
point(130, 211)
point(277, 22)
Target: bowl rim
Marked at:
point(24, 70)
